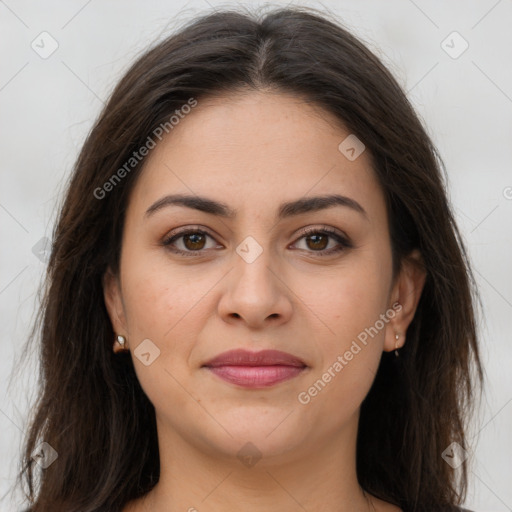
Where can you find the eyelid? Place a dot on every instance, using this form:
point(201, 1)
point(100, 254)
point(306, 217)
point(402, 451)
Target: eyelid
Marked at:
point(192, 229)
point(323, 229)
point(343, 241)
point(341, 238)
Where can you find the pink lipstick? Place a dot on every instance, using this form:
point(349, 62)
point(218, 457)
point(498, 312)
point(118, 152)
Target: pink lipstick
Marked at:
point(255, 369)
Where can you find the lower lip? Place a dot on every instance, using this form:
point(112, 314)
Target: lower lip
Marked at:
point(256, 376)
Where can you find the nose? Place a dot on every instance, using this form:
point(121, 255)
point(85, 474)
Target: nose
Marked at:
point(254, 293)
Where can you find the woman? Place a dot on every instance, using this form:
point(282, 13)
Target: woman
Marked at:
point(257, 297)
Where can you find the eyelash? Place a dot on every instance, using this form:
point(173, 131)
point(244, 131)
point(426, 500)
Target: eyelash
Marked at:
point(343, 242)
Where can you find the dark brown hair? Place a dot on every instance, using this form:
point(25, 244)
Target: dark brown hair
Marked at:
point(91, 408)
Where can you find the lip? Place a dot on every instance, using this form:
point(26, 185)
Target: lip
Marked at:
point(255, 369)
point(240, 357)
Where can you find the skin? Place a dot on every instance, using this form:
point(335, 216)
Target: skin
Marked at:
point(254, 151)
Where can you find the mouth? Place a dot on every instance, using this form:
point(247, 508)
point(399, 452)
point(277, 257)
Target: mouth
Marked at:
point(255, 369)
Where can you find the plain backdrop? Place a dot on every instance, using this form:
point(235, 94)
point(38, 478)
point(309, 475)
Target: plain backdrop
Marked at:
point(460, 84)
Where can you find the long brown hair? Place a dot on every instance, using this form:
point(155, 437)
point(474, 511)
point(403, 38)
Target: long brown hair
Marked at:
point(91, 408)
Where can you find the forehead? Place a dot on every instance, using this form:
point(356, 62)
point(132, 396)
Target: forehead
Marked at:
point(256, 150)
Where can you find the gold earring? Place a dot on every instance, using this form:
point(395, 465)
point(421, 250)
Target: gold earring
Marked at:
point(397, 337)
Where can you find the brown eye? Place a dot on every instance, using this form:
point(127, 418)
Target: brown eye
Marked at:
point(318, 242)
point(192, 241)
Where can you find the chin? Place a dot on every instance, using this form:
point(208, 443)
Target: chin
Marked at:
point(266, 433)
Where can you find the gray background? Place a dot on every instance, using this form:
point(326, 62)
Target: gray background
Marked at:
point(48, 105)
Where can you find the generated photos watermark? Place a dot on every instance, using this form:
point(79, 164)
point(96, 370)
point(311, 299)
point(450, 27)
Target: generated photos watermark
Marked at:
point(305, 397)
point(143, 151)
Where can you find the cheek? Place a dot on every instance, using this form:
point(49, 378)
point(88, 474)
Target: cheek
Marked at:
point(352, 301)
point(166, 303)
point(351, 306)
point(163, 305)
point(150, 302)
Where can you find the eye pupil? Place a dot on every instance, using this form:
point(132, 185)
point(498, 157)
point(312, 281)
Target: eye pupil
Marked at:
point(316, 241)
point(322, 246)
point(196, 236)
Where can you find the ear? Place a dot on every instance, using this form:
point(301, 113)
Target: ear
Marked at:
point(407, 292)
point(114, 304)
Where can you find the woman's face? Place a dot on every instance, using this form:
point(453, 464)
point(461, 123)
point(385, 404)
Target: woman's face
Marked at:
point(253, 280)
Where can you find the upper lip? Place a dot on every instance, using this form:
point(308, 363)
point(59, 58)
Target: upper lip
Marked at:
point(240, 357)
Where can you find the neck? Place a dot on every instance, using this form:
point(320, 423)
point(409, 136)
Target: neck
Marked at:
point(318, 474)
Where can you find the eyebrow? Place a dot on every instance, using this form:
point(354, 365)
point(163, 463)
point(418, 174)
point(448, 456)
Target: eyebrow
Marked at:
point(286, 210)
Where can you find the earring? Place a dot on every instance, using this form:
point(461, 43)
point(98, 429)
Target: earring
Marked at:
point(121, 340)
point(397, 337)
